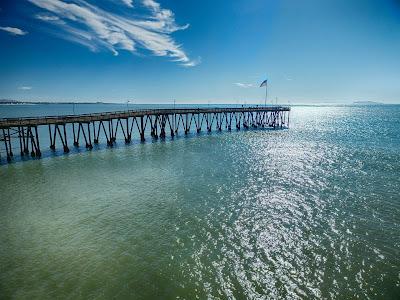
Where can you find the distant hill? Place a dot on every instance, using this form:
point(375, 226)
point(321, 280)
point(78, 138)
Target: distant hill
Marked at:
point(8, 101)
point(367, 103)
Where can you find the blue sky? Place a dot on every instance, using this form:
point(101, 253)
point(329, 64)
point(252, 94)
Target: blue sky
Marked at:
point(154, 51)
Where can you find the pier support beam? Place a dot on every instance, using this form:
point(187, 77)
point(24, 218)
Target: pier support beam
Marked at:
point(142, 139)
point(37, 143)
point(76, 143)
point(7, 147)
point(65, 144)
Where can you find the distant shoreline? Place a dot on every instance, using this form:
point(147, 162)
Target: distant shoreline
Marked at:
point(16, 102)
point(354, 103)
point(367, 103)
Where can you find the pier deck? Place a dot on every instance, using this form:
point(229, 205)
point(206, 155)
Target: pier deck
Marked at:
point(23, 133)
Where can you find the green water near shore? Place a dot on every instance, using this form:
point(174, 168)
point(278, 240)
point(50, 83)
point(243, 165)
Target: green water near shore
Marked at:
point(309, 212)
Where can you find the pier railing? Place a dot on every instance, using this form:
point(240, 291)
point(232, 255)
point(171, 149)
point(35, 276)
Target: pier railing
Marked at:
point(23, 133)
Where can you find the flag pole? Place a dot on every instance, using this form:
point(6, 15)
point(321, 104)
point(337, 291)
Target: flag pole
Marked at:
point(266, 94)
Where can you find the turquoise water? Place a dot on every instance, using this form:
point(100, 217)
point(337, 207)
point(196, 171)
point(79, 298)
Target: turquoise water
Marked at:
point(309, 212)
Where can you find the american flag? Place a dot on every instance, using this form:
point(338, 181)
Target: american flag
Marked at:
point(264, 83)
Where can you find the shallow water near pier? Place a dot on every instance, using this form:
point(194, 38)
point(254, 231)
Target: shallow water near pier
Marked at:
point(309, 212)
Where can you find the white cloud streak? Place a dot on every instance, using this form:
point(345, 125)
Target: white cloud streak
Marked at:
point(13, 30)
point(97, 29)
point(48, 18)
point(128, 2)
point(25, 88)
point(244, 85)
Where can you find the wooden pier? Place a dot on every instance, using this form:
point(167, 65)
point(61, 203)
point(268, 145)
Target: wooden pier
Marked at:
point(89, 129)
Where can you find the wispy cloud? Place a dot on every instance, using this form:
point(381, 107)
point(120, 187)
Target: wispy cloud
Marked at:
point(128, 2)
point(13, 30)
point(49, 18)
point(97, 28)
point(24, 88)
point(244, 85)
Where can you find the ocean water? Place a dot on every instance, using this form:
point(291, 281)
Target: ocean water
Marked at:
point(305, 213)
